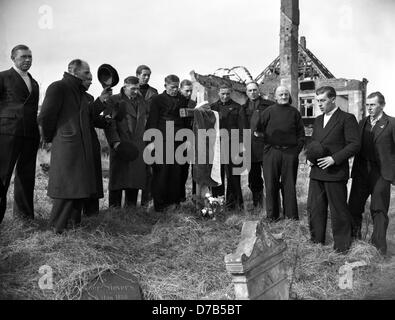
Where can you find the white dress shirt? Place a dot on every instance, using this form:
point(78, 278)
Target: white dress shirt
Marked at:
point(25, 78)
point(328, 115)
point(373, 121)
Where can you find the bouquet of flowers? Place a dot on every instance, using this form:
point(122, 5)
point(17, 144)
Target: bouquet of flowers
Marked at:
point(212, 206)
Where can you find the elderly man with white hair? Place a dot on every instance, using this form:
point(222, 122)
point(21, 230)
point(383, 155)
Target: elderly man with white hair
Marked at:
point(283, 132)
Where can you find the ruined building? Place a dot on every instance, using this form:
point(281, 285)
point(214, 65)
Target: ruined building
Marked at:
point(299, 69)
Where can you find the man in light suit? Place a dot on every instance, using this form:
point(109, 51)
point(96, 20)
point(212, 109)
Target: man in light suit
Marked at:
point(19, 133)
point(374, 171)
point(335, 139)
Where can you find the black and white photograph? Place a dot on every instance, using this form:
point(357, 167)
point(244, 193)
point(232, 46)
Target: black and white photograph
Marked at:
point(200, 155)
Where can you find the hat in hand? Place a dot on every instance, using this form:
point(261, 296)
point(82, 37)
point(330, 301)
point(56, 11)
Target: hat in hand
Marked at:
point(107, 75)
point(127, 151)
point(314, 151)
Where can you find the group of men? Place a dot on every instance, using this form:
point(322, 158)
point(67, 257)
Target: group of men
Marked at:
point(69, 116)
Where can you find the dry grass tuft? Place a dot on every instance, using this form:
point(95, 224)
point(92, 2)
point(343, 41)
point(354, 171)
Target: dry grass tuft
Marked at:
point(176, 255)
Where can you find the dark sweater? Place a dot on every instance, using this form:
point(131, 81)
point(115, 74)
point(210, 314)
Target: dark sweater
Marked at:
point(282, 126)
point(163, 108)
point(228, 114)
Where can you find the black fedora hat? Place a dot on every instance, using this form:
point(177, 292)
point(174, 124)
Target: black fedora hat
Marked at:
point(127, 151)
point(107, 75)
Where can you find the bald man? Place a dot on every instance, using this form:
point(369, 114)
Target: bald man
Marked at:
point(283, 133)
point(66, 118)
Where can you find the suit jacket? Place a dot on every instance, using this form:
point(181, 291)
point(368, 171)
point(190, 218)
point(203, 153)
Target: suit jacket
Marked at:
point(151, 92)
point(384, 145)
point(340, 139)
point(18, 106)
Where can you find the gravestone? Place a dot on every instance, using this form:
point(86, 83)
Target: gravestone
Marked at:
point(257, 266)
point(113, 285)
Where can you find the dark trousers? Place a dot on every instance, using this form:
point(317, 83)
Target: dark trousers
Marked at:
point(184, 178)
point(166, 183)
point(255, 180)
point(372, 183)
point(280, 168)
point(322, 193)
point(146, 194)
point(63, 211)
point(115, 197)
point(234, 196)
point(90, 207)
point(20, 153)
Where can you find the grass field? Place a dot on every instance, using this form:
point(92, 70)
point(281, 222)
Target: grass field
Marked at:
point(175, 255)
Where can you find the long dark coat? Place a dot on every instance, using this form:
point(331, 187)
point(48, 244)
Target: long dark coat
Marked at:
point(127, 124)
point(66, 118)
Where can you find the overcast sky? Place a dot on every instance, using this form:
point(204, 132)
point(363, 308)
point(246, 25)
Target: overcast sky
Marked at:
point(352, 38)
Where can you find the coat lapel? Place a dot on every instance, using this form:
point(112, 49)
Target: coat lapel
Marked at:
point(380, 126)
point(333, 121)
point(20, 85)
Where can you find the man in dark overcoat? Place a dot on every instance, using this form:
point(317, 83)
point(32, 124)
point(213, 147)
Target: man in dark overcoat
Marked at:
point(66, 119)
point(128, 111)
point(373, 171)
point(229, 119)
point(335, 139)
point(19, 133)
point(253, 108)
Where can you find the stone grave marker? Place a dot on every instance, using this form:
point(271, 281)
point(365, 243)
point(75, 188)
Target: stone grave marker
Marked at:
point(113, 285)
point(257, 266)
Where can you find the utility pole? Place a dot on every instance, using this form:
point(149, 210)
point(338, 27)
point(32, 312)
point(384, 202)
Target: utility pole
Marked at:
point(289, 36)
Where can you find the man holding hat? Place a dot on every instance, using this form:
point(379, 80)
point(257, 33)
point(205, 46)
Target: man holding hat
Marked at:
point(128, 111)
point(335, 139)
point(66, 118)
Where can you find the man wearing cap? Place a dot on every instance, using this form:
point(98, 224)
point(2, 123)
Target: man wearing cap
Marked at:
point(128, 111)
point(250, 112)
point(335, 139)
point(373, 171)
point(143, 73)
point(19, 134)
point(66, 118)
point(229, 120)
point(283, 132)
